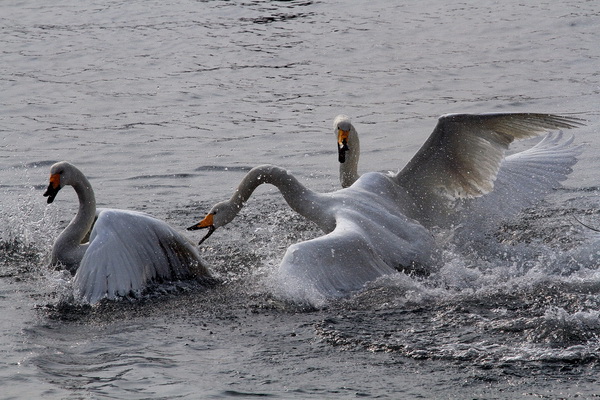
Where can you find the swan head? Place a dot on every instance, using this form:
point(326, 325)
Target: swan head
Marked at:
point(221, 214)
point(60, 175)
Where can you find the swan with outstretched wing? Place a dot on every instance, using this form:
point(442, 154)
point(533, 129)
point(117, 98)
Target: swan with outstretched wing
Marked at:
point(380, 223)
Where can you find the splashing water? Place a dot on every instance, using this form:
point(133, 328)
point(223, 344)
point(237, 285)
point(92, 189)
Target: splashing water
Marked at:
point(29, 226)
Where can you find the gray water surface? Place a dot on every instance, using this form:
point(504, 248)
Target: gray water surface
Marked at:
point(166, 105)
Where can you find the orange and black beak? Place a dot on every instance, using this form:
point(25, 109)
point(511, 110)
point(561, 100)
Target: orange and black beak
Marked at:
point(53, 187)
point(207, 222)
point(342, 145)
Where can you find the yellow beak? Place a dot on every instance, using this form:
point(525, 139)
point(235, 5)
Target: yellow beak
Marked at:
point(55, 181)
point(207, 222)
point(343, 137)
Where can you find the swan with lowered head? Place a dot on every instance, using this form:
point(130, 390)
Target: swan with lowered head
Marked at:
point(126, 249)
point(368, 233)
point(381, 223)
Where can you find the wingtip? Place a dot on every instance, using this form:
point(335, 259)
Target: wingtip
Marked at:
point(567, 121)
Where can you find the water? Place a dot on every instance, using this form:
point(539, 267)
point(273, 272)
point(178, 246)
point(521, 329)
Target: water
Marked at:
point(165, 105)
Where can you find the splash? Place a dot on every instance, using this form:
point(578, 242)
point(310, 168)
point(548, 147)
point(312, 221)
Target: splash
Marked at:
point(517, 301)
point(528, 291)
point(28, 226)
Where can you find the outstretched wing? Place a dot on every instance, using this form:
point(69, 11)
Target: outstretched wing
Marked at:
point(127, 251)
point(330, 266)
point(524, 178)
point(462, 156)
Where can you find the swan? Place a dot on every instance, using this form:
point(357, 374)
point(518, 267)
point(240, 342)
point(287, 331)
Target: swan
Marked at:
point(126, 250)
point(381, 223)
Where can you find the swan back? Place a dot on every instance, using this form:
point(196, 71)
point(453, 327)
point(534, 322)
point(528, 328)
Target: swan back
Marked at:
point(372, 238)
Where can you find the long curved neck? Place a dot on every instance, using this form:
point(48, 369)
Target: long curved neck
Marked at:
point(349, 168)
point(70, 239)
point(301, 199)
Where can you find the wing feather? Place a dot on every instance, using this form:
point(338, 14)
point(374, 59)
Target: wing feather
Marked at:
point(462, 156)
point(127, 251)
point(366, 243)
point(524, 178)
point(330, 266)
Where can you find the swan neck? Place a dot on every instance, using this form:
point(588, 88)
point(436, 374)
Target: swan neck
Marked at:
point(299, 197)
point(349, 168)
point(81, 224)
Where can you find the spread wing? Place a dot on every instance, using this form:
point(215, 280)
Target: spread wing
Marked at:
point(524, 178)
point(330, 266)
point(363, 246)
point(462, 156)
point(127, 251)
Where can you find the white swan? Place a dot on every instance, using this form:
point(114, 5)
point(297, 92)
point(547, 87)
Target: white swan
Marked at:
point(126, 249)
point(380, 223)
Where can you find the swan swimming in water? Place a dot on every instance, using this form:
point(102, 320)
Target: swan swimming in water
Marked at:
point(126, 249)
point(380, 224)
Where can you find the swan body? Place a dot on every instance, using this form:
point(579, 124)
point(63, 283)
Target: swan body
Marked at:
point(126, 250)
point(380, 224)
point(367, 234)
